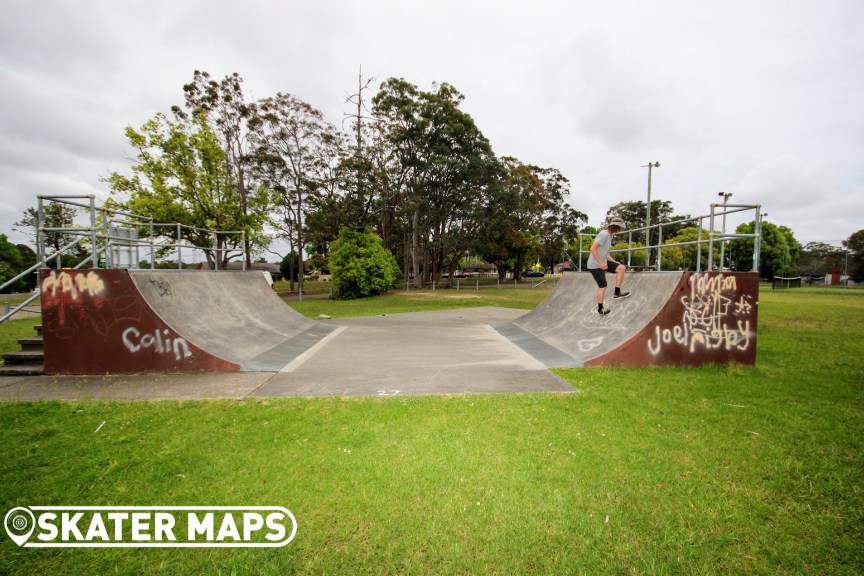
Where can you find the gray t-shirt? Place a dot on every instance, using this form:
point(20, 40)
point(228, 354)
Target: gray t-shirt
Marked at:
point(604, 244)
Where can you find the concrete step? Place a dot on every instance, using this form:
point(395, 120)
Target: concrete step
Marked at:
point(22, 370)
point(31, 343)
point(24, 357)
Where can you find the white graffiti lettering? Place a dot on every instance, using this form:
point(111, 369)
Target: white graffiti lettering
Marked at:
point(161, 343)
point(711, 320)
point(72, 283)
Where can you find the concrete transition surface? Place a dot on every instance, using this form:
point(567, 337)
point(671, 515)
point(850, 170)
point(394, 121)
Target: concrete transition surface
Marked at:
point(129, 322)
point(670, 318)
point(119, 321)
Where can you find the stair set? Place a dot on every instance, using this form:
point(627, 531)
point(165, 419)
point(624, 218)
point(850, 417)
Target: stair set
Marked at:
point(29, 361)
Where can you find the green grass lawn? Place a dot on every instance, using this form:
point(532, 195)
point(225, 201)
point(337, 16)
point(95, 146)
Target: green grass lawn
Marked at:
point(711, 470)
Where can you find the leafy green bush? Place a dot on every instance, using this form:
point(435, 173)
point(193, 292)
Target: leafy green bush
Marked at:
point(360, 265)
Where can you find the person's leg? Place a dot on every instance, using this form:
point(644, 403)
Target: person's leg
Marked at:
point(600, 278)
point(619, 275)
point(619, 270)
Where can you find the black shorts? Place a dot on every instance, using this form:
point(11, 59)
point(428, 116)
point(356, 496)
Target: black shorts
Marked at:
point(600, 275)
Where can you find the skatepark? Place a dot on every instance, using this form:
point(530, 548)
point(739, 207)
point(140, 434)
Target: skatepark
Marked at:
point(130, 334)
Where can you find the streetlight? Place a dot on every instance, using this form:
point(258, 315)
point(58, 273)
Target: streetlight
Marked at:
point(725, 196)
point(648, 211)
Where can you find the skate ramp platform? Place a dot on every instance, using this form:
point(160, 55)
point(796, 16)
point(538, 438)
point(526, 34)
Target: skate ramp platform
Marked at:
point(119, 321)
point(670, 318)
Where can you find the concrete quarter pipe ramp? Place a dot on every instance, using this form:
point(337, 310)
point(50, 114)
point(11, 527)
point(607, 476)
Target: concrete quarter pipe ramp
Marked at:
point(671, 318)
point(119, 321)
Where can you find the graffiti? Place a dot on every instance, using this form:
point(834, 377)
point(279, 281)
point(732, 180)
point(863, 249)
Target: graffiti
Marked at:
point(159, 341)
point(164, 288)
point(72, 283)
point(589, 344)
point(713, 319)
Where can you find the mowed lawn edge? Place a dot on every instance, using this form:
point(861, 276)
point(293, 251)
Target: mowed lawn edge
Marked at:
point(711, 470)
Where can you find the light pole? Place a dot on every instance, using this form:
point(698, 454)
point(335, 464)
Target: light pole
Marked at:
point(725, 196)
point(648, 212)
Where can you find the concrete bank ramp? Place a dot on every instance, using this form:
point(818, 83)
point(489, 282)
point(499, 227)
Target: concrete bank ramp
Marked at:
point(669, 318)
point(233, 315)
point(119, 321)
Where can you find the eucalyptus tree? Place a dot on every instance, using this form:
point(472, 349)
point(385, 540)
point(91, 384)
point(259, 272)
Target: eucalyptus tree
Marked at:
point(295, 150)
point(226, 109)
point(527, 218)
point(559, 222)
point(442, 167)
point(55, 215)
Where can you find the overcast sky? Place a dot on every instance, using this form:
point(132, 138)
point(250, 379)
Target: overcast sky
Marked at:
point(761, 98)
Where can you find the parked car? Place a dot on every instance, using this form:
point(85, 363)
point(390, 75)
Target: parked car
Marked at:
point(533, 274)
point(460, 275)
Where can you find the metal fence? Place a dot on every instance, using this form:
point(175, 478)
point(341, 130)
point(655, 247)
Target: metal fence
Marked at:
point(713, 235)
point(115, 239)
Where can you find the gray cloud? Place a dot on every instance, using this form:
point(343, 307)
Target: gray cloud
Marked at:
point(761, 99)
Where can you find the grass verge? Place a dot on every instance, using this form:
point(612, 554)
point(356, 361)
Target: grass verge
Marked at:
point(711, 470)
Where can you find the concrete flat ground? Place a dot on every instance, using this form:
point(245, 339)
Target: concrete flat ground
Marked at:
point(445, 352)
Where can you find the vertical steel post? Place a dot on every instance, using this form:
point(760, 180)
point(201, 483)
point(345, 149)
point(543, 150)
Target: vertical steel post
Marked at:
point(152, 247)
point(94, 260)
point(629, 248)
point(580, 252)
point(699, 248)
point(40, 232)
point(711, 239)
point(757, 241)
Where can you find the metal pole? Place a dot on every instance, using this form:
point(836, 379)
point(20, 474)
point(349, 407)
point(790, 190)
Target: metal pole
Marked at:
point(648, 214)
point(629, 248)
point(757, 241)
point(726, 196)
point(846, 270)
point(94, 260)
point(40, 234)
point(699, 248)
point(711, 239)
point(580, 252)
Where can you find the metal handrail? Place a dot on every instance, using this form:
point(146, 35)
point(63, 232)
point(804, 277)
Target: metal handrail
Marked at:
point(713, 235)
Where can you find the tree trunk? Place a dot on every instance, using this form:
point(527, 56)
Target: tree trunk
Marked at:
point(415, 248)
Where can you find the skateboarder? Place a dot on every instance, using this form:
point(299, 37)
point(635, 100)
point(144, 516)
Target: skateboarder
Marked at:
point(599, 263)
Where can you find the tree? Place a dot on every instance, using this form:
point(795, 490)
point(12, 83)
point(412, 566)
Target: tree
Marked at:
point(691, 256)
point(361, 266)
point(634, 214)
point(779, 250)
point(295, 150)
point(181, 176)
point(819, 259)
point(225, 108)
point(55, 215)
point(855, 245)
point(10, 261)
point(560, 222)
point(441, 168)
